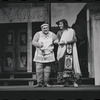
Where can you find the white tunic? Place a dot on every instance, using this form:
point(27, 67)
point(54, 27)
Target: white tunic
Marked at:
point(45, 54)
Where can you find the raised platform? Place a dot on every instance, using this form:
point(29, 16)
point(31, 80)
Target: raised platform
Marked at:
point(29, 78)
point(52, 88)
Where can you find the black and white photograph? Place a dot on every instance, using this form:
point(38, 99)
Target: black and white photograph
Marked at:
point(23, 61)
point(8, 61)
point(23, 38)
point(56, 57)
point(9, 39)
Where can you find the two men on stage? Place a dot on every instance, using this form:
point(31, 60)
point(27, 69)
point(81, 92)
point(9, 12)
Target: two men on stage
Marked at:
point(67, 57)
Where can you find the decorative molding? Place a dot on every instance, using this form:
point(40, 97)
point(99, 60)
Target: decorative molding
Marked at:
point(22, 14)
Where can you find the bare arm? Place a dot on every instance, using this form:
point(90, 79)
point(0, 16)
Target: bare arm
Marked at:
point(35, 41)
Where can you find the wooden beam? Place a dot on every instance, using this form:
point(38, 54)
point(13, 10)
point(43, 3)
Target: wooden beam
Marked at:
point(29, 47)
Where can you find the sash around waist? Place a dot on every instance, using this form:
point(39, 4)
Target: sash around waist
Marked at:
point(48, 57)
point(44, 52)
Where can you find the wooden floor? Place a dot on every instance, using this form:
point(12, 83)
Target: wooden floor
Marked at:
point(52, 88)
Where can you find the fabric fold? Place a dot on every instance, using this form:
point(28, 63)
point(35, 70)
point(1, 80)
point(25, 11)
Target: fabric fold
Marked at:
point(68, 36)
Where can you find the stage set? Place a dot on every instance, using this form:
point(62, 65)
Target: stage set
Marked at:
point(19, 23)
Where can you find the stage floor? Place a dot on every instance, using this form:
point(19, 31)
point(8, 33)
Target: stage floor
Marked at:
point(83, 92)
point(52, 88)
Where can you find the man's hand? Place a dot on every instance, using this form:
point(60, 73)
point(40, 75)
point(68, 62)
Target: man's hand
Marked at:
point(61, 43)
point(56, 41)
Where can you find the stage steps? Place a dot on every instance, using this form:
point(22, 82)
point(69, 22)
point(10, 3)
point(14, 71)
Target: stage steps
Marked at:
point(29, 78)
point(17, 78)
